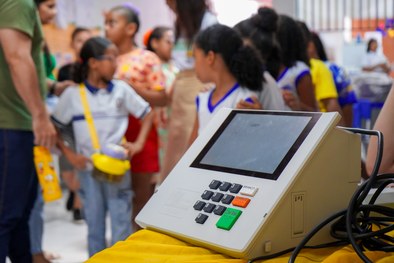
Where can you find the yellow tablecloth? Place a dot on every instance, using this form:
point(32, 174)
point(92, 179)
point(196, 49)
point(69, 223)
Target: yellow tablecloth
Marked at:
point(150, 246)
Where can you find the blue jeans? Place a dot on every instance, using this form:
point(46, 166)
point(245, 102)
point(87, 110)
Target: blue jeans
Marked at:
point(18, 188)
point(98, 198)
point(36, 223)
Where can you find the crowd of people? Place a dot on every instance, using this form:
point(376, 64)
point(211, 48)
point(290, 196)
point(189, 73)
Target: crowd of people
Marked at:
point(152, 100)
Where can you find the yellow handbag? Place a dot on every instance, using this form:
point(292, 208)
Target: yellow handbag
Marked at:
point(106, 167)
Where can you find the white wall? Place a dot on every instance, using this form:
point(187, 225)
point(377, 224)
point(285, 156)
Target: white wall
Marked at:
point(226, 15)
point(89, 13)
point(287, 7)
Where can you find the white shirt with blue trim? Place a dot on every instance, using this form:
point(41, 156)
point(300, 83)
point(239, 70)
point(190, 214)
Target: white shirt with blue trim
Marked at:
point(271, 97)
point(290, 77)
point(110, 109)
point(206, 110)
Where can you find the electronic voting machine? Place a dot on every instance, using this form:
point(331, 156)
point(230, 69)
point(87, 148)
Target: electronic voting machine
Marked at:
point(255, 182)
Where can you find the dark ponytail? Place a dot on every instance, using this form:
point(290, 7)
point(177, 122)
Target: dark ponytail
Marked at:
point(292, 41)
point(261, 29)
point(247, 68)
point(321, 53)
point(93, 48)
point(243, 61)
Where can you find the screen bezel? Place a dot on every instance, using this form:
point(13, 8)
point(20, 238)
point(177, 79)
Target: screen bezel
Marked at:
point(275, 175)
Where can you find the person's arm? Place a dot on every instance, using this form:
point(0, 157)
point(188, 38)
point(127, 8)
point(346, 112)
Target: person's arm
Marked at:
point(57, 87)
point(332, 105)
point(383, 66)
point(194, 134)
point(306, 94)
point(78, 161)
point(369, 68)
point(153, 91)
point(154, 97)
point(137, 146)
point(16, 48)
point(291, 100)
point(385, 124)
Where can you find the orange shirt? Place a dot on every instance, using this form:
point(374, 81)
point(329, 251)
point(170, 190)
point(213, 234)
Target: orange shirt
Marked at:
point(141, 68)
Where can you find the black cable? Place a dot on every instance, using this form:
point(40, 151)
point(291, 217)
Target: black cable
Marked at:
point(283, 252)
point(272, 255)
point(360, 196)
point(352, 222)
point(316, 229)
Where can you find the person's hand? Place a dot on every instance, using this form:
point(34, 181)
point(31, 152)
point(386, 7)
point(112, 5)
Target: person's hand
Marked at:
point(132, 148)
point(291, 100)
point(44, 131)
point(78, 161)
point(139, 86)
point(161, 117)
point(254, 104)
point(62, 85)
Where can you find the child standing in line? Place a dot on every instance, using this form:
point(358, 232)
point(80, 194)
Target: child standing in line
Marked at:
point(110, 102)
point(142, 70)
point(235, 68)
point(294, 75)
point(346, 94)
point(160, 40)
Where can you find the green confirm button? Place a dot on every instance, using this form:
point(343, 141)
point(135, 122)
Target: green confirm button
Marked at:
point(228, 219)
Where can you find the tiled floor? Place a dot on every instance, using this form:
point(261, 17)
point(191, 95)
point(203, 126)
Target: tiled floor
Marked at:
point(62, 236)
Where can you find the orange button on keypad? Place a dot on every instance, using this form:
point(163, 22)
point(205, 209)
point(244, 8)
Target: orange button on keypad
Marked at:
point(241, 201)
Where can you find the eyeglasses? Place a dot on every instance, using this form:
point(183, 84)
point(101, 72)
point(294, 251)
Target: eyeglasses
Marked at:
point(106, 57)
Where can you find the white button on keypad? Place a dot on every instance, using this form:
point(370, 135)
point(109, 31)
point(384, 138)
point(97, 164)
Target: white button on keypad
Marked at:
point(248, 190)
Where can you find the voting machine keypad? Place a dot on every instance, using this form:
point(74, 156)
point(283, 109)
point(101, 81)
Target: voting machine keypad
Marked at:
point(223, 199)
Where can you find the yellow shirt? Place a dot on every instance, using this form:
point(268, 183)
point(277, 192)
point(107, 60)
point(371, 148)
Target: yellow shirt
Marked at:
point(323, 82)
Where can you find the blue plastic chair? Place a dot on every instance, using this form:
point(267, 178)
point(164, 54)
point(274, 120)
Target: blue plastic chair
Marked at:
point(362, 111)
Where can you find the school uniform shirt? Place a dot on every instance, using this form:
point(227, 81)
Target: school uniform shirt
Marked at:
point(290, 77)
point(271, 97)
point(206, 110)
point(324, 83)
point(346, 93)
point(109, 107)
